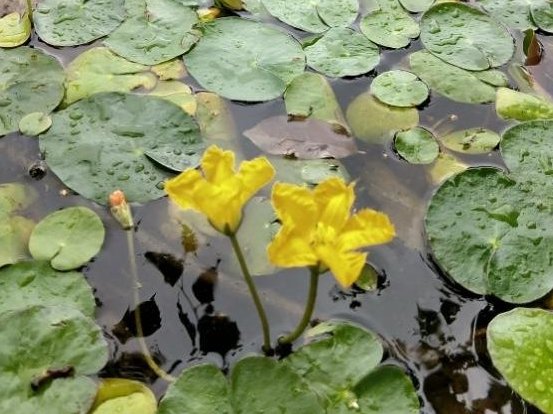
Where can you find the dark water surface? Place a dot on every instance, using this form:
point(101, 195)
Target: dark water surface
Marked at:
point(431, 327)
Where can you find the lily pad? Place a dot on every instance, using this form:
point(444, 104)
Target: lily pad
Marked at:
point(399, 88)
point(373, 121)
point(100, 70)
point(314, 16)
point(308, 172)
point(47, 353)
point(30, 81)
point(67, 238)
point(390, 28)
point(101, 143)
point(416, 6)
point(34, 124)
point(450, 81)
point(311, 96)
point(465, 37)
point(34, 283)
point(155, 32)
point(472, 141)
point(172, 69)
point(521, 106)
point(342, 52)
point(117, 396)
point(307, 139)
point(417, 146)
point(445, 166)
point(542, 14)
point(521, 14)
point(520, 345)
point(245, 60)
point(15, 26)
point(214, 117)
point(76, 22)
point(177, 92)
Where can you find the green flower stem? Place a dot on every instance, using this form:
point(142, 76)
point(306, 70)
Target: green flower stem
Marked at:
point(137, 318)
point(308, 312)
point(253, 292)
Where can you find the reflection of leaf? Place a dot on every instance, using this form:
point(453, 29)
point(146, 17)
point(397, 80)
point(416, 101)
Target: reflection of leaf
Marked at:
point(168, 265)
point(307, 139)
point(218, 333)
point(150, 317)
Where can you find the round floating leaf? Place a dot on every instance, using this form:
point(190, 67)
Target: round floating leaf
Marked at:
point(450, 81)
point(46, 353)
point(155, 32)
point(417, 146)
point(178, 93)
point(374, 121)
point(30, 81)
point(416, 6)
point(76, 22)
point(245, 60)
point(314, 16)
point(15, 28)
point(306, 139)
point(542, 14)
point(465, 37)
point(521, 348)
point(100, 70)
point(342, 52)
point(34, 124)
point(102, 143)
point(513, 13)
point(492, 77)
point(308, 172)
point(472, 141)
point(390, 28)
point(117, 396)
point(36, 283)
point(444, 167)
point(522, 106)
point(14, 237)
point(68, 238)
point(399, 88)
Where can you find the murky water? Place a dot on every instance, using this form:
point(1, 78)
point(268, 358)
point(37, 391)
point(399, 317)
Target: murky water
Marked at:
point(431, 327)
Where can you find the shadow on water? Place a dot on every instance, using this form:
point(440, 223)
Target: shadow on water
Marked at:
point(195, 310)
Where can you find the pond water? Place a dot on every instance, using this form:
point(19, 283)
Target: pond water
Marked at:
point(432, 327)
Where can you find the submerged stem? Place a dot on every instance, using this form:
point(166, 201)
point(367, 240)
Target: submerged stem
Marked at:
point(253, 292)
point(137, 318)
point(308, 312)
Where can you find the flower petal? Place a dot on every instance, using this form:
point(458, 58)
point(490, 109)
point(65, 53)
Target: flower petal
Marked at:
point(182, 188)
point(334, 199)
point(295, 206)
point(366, 228)
point(345, 266)
point(290, 250)
point(253, 175)
point(217, 164)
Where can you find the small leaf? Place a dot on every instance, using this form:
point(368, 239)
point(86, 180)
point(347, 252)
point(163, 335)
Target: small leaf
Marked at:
point(117, 395)
point(399, 88)
point(417, 146)
point(472, 141)
point(34, 124)
point(15, 29)
point(390, 28)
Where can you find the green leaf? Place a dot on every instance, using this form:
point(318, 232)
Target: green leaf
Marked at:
point(101, 143)
point(444, 167)
point(214, 117)
point(27, 284)
point(542, 14)
point(390, 28)
point(472, 141)
point(520, 345)
point(341, 52)
point(155, 32)
point(311, 96)
point(117, 396)
point(172, 69)
point(417, 146)
point(465, 37)
point(307, 172)
point(450, 81)
point(314, 16)
point(52, 348)
point(513, 13)
point(521, 106)
point(30, 81)
point(399, 88)
point(67, 238)
point(15, 27)
point(76, 22)
point(100, 70)
point(14, 197)
point(245, 60)
point(416, 6)
point(177, 92)
point(34, 124)
point(373, 121)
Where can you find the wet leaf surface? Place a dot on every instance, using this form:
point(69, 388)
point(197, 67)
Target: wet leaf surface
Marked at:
point(399, 88)
point(416, 146)
point(392, 28)
point(34, 124)
point(471, 141)
point(15, 25)
point(117, 395)
point(521, 106)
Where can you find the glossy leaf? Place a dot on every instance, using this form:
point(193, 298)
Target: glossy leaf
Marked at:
point(68, 238)
point(417, 146)
point(76, 22)
point(416, 6)
point(15, 27)
point(520, 345)
point(117, 138)
point(341, 52)
point(472, 141)
point(34, 283)
point(521, 14)
point(245, 60)
point(117, 396)
point(399, 88)
point(390, 28)
point(521, 106)
point(445, 166)
point(34, 124)
point(464, 36)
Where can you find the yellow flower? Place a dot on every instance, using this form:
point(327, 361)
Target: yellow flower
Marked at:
point(318, 229)
point(218, 191)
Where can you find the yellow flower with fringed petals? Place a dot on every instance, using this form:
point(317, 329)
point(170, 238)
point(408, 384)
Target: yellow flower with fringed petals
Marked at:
point(218, 190)
point(318, 229)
